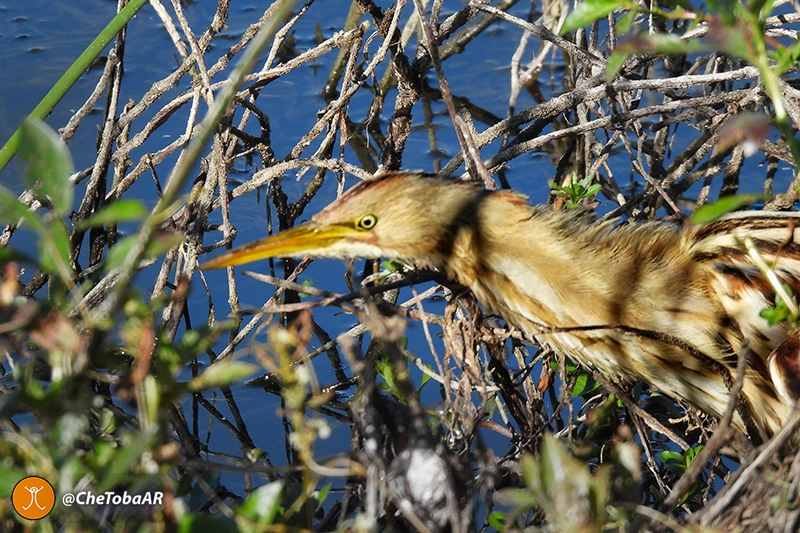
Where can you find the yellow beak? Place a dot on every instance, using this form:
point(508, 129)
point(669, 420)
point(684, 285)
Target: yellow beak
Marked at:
point(307, 239)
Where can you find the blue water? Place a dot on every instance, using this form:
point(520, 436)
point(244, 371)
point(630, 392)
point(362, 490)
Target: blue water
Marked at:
point(39, 40)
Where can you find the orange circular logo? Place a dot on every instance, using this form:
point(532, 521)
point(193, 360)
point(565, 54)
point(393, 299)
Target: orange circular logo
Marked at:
point(33, 498)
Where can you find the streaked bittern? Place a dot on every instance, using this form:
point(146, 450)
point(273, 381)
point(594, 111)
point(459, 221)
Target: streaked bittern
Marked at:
point(650, 301)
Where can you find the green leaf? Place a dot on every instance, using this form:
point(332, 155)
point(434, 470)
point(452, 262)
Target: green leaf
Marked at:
point(384, 370)
point(12, 210)
point(497, 519)
point(551, 467)
point(565, 489)
point(575, 191)
point(659, 43)
point(780, 312)
point(624, 24)
point(584, 384)
point(615, 63)
point(491, 407)
point(516, 498)
point(690, 454)
point(711, 212)
point(724, 8)
point(54, 250)
point(322, 494)
point(580, 385)
point(152, 394)
point(668, 455)
point(306, 283)
point(162, 243)
point(159, 245)
point(425, 378)
point(569, 366)
point(734, 39)
point(222, 374)
point(589, 11)
point(120, 211)
point(786, 57)
point(657, 496)
point(264, 504)
point(392, 265)
point(49, 165)
point(9, 477)
point(118, 252)
point(594, 189)
point(774, 315)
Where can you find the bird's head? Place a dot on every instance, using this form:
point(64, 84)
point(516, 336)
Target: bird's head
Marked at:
point(395, 215)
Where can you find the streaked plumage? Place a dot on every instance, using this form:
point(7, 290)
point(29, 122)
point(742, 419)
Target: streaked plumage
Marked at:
point(652, 301)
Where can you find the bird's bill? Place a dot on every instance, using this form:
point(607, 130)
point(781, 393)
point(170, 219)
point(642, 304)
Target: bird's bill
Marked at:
point(308, 239)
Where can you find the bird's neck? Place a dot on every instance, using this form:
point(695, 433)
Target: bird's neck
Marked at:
point(555, 267)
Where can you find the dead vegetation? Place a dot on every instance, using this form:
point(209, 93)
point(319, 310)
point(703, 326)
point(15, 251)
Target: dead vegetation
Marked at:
point(654, 139)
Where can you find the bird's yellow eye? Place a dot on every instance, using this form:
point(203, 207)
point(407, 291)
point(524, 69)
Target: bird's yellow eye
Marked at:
point(367, 222)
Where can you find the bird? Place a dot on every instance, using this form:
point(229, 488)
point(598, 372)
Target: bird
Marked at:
point(669, 304)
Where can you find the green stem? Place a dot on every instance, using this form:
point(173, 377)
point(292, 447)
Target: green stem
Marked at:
point(72, 74)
